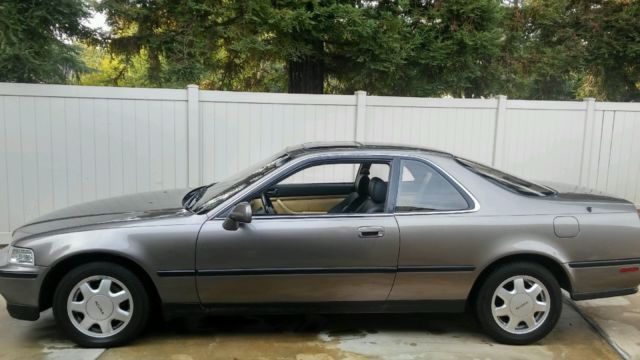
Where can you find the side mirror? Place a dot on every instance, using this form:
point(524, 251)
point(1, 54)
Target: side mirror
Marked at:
point(240, 214)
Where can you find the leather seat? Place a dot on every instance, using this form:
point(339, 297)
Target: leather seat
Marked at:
point(377, 195)
point(355, 199)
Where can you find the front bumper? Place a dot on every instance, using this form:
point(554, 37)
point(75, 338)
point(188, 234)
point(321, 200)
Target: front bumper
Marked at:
point(23, 312)
point(20, 286)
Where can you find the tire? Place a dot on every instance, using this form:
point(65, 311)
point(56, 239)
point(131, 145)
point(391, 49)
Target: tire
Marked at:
point(101, 304)
point(522, 318)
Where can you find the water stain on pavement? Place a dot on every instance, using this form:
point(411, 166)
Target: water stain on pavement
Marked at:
point(317, 337)
point(373, 336)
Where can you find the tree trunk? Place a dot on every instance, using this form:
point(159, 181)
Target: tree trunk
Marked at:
point(306, 75)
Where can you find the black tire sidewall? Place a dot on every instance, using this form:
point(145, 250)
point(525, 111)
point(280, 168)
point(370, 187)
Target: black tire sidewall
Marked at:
point(129, 279)
point(485, 298)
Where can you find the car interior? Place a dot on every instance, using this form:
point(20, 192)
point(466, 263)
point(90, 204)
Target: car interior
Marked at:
point(334, 188)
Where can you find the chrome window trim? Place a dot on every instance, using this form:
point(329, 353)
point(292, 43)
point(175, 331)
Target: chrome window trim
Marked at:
point(214, 213)
point(316, 216)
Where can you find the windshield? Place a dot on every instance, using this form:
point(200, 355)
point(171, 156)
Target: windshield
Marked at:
point(208, 197)
point(508, 181)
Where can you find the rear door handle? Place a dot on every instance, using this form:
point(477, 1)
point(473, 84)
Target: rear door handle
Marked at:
point(370, 231)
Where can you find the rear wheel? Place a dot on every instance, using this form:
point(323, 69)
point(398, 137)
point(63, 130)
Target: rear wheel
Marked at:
point(101, 305)
point(519, 303)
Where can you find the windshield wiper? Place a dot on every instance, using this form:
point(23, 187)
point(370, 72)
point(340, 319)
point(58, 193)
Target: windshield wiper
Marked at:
point(193, 196)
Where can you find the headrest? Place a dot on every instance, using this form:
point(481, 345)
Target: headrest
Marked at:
point(362, 184)
point(377, 190)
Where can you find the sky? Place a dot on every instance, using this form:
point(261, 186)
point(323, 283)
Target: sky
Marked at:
point(97, 21)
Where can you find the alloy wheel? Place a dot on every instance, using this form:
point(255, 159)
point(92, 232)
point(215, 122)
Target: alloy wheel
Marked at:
point(100, 306)
point(520, 304)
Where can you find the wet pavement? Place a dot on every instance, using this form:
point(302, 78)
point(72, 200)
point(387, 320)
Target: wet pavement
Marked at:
point(618, 319)
point(326, 337)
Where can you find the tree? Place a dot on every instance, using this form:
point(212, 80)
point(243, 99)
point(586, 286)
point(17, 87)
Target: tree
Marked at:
point(234, 44)
point(611, 32)
point(457, 48)
point(105, 69)
point(529, 49)
point(410, 47)
point(36, 40)
point(318, 39)
point(401, 47)
point(543, 56)
point(563, 49)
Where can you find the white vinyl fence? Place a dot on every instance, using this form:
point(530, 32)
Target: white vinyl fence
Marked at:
point(62, 145)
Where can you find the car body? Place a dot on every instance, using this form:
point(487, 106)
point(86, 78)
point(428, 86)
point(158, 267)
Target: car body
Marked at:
point(212, 249)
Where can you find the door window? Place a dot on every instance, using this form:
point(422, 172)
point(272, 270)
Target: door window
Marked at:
point(324, 174)
point(422, 188)
point(328, 188)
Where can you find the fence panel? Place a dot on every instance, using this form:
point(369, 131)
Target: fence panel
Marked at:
point(61, 145)
point(242, 130)
point(543, 144)
point(466, 129)
point(624, 155)
point(64, 147)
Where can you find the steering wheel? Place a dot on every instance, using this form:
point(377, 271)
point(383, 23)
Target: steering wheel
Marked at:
point(267, 204)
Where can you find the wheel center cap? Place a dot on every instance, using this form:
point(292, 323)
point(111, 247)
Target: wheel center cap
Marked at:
point(521, 305)
point(99, 307)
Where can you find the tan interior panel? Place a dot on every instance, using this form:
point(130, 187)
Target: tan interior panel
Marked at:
point(256, 204)
point(305, 204)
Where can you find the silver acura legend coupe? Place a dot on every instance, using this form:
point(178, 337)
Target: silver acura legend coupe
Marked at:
point(327, 227)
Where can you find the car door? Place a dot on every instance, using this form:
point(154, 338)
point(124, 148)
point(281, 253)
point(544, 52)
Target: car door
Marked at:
point(435, 216)
point(299, 257)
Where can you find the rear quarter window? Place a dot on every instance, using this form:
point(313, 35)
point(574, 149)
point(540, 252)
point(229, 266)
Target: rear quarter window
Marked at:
point(424, 189)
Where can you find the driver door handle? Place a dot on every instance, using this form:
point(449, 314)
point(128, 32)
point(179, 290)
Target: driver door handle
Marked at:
point(370, 231)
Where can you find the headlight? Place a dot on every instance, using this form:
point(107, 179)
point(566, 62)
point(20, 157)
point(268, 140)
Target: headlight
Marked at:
point(21, 256)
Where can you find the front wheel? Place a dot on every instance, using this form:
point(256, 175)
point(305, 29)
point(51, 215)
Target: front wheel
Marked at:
point(519, 303)
point(101, 305)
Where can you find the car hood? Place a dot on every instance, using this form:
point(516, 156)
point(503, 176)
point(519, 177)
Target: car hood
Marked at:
point(127, 208)
point(580, 193)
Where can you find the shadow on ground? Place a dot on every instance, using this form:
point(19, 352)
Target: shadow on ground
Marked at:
point(313, 337)
point(354, 336)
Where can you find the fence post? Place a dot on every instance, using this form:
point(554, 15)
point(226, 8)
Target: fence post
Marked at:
point(194, 134)
point(361, 108)
point(587, 141)
point(498, 130)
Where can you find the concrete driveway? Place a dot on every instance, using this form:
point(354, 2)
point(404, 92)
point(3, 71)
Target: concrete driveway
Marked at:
point(401, 337)
point(618, 320)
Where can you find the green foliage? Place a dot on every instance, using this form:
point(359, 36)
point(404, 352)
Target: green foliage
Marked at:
point(456, 46)
point(35, 40)
point(105, 69)
point(542, 55)
point(566, 49)
point(387, 47)
point(529, 49)
point(611, 30)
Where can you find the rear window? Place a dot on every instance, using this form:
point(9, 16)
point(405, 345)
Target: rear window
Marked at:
point(507, 181)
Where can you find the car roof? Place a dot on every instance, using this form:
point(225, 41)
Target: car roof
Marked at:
point(358, 146)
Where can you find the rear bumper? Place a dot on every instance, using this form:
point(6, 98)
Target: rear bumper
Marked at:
point(603, 294)
point(606, 278)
